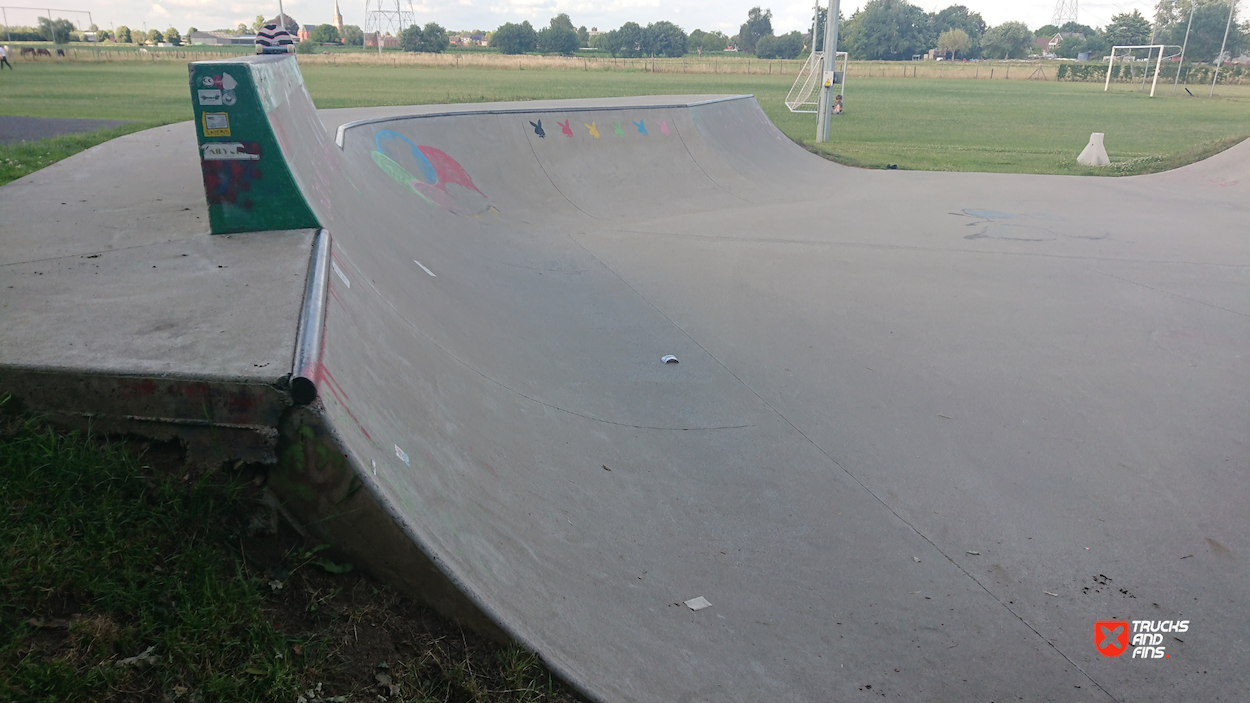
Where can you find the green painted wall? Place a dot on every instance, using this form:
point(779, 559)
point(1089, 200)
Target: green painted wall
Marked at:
point(246, 180)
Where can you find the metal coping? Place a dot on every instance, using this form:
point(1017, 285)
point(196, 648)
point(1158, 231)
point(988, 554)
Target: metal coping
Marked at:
point(311, 323)
point(342, 130)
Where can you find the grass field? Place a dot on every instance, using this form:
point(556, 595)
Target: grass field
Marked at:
point(127, 574)
point(934, 124)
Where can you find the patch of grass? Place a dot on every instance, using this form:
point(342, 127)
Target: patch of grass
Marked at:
point(24, 158)
point(132, 575)
point(926, 124)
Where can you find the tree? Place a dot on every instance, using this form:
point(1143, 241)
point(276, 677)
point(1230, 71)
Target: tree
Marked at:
point(56, 31)
point(515, 38)
point(663, 39)
point(324, 34)
point(305, 47)
point(888, 29)
point(821, 18)
point(953, 41)
point(786, 46)
point(583, 36)
point(1046, 30)
point(155, 37)
point(190, 31)
point(625, 41)
point(1207, 33)
point(353, 35)
point(171, 36)
point(258, 23)
point(1010, 40)
point(1071, 47)
point(960, 17)
point(562, 21)
point(1128, 30)
point(558, 37)
point(123, 34)
point(431, 39)
point(557, 40)
point(708, 41)
point(759, 24)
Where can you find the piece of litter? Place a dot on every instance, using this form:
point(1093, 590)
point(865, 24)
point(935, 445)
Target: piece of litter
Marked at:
point(605, 468)
point(1051, 594)
point(669, 359)
point(916, 559)
point(698, 603)
point(975, 554)
point(945, 416)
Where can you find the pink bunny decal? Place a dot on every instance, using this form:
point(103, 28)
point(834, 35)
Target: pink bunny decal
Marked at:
point(564, 127)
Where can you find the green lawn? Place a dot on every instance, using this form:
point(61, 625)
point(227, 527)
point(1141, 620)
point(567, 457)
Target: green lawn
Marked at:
point(933, 124)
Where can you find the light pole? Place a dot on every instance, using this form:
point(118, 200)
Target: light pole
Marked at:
point(824, 111)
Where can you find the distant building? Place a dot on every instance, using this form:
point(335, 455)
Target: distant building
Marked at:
point(338, 18)
point(371, 39)
point(1054, 41)
point(219, 38)
point(305, 31)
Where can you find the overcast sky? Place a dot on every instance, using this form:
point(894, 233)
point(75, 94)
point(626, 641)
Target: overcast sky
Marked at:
point(488, 14)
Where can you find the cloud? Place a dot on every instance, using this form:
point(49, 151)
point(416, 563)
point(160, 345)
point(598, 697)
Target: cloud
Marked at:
point(159, 11)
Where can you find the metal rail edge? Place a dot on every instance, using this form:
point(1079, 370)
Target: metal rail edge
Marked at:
point(305, 367)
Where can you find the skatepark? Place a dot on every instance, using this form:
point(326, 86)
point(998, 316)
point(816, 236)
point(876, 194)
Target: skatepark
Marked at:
point(922, 430)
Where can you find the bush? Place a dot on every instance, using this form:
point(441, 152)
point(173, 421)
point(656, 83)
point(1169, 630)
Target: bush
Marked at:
point(305, 47)
point(432, 39)
point(513, 38)
point(353, 35)
point(325, 34)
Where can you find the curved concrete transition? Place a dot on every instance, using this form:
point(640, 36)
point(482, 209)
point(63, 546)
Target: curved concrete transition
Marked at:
point(924, 431)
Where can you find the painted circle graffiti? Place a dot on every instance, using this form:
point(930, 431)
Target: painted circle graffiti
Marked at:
point(430, 173)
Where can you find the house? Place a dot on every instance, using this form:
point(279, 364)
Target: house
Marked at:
point(1054, 41)
point(1042, 45)
point(305, 31)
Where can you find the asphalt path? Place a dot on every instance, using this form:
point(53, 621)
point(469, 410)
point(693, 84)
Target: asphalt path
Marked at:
point(14, 129)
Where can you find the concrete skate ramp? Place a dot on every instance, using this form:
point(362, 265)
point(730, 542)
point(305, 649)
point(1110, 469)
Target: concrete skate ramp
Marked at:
point(925, 430)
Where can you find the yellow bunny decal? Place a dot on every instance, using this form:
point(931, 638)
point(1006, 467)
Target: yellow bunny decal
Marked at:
point(594, 130)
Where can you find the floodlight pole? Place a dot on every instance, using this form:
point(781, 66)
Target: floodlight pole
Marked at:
point(1184, 45)
point(7, 33)
point(824, 111)
point(1231, 6)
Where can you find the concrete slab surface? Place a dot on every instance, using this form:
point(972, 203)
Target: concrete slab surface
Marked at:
point(926, 429)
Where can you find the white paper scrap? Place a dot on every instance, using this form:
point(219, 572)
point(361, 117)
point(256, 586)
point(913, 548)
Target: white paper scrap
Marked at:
point(698, 603)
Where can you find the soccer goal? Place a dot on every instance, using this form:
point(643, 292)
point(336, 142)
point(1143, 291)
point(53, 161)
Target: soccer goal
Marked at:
point(1150, 53)
point(802, 93)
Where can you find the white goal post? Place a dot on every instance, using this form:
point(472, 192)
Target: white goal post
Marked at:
point(1158, 62)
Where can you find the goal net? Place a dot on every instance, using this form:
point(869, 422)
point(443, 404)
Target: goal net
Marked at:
point(802, 96)
point(1131, 55)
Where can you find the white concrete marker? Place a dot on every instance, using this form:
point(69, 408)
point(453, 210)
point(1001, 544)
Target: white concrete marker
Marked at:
point(1095, 154)
point(423, 268)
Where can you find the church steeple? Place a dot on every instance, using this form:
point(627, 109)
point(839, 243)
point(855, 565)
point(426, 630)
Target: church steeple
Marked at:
point(338, 18)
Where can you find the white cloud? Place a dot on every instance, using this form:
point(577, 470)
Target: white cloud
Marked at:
point(159, 11)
